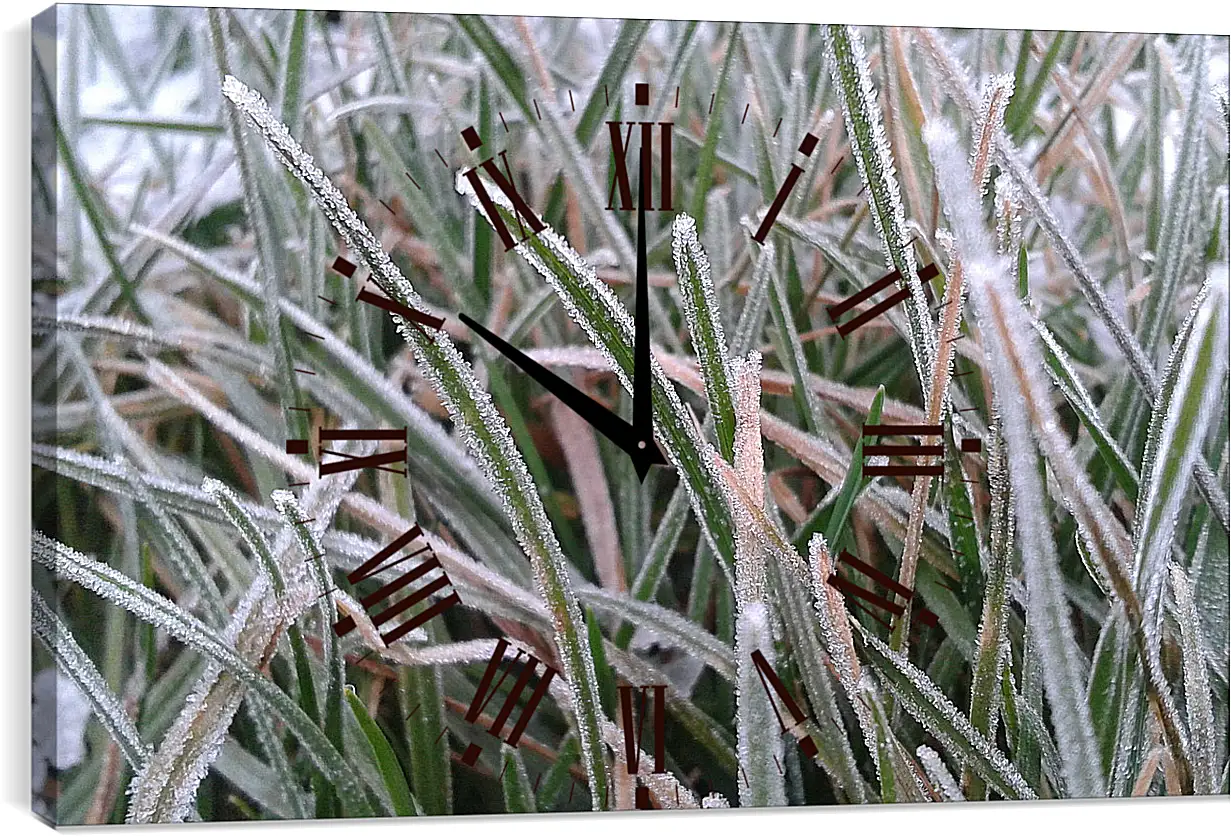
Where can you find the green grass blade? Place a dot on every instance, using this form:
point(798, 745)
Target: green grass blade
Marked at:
point(484, 431)
point(386, 760)
point(929, 706)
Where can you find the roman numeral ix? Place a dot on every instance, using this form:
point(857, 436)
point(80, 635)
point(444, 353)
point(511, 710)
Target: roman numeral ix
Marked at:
point(422, 568)
point(632, 741)
point(487, 691)
point(382, 460)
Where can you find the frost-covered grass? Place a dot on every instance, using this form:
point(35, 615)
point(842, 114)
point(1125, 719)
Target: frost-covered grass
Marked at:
point(1072, 188)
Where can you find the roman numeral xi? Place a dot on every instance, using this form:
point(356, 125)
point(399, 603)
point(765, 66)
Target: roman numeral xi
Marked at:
point(487, 691)
point(418, 571)
point(521, 209)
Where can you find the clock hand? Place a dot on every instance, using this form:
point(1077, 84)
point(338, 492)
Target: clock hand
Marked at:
point(643, 405)
point(620, 432)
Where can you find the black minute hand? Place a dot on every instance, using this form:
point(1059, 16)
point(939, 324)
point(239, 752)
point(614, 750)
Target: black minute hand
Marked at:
point(620, 432)
point(643, 404)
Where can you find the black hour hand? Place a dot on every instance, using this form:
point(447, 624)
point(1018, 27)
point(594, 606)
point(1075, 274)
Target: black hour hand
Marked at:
point(639, 447)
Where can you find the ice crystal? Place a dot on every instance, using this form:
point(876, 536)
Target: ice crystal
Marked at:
point(750, 472)
point(480, 425)
point(80, 676)
point(834, 621)
point(1047, 610)
point(165, 789)
point(988, 123)
point(938, 773)
point(591, 304)
point(1008, 215)
point(704, 320)
point(1198, 362)
point(758, 746)
point(848, 64)
point(1201, 729)
point(950, 723)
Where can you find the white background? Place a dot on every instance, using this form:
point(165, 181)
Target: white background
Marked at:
point(1102, 819)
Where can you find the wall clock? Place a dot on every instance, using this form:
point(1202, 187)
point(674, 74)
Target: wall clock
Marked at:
point(443, 414)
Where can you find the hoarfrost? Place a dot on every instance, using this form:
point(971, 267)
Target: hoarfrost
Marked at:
point(1005, 335)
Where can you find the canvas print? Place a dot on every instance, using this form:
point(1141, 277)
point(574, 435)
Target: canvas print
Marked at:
point(441, 414)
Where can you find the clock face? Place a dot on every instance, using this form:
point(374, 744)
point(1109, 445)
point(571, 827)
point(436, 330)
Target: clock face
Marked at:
point(450, 414)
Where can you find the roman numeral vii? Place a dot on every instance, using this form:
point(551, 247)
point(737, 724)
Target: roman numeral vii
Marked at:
point(487, 691)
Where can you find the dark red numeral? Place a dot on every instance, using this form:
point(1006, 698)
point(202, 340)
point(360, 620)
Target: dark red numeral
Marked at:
point(838, 309)
point(487, 691)
point(410, 315)
point(913, 470)
point(632, 742)
point(349, 462)
point(773, 685)
point(805, 148)
point(376, 564)
point(521, 209)
point(622, 182)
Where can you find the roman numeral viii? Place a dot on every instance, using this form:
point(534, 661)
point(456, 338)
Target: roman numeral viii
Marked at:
point(422, 568)
point(487, 691)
